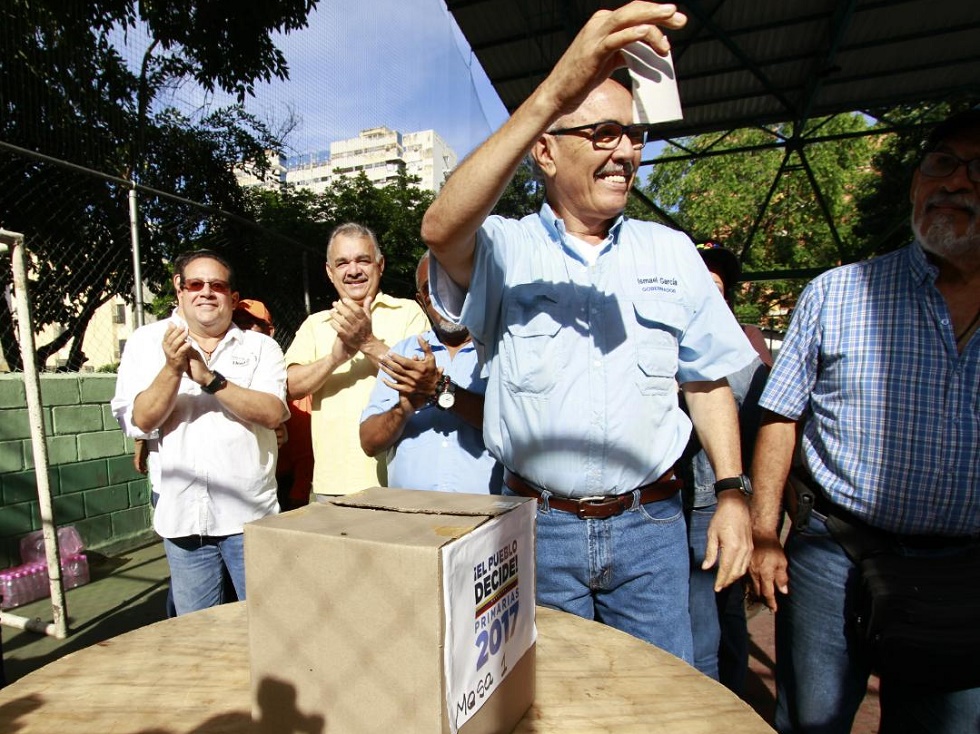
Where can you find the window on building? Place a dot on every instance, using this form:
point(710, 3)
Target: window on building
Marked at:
point(119, 317)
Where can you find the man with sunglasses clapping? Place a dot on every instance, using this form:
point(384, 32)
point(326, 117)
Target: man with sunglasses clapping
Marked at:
point(207, 397)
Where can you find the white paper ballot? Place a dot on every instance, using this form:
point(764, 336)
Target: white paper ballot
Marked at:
point(655, 96)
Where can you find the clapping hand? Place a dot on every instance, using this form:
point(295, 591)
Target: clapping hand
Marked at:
point(414, 378)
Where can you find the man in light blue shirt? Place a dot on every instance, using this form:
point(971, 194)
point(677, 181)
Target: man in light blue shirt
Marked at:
point(881, 366)
point(426, 409)
point(586, 322)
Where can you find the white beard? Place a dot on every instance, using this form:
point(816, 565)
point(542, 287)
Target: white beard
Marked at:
point(941, 238)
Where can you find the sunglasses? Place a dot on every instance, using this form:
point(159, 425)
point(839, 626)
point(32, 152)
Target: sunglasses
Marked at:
point(194, 285)
point(606, 135)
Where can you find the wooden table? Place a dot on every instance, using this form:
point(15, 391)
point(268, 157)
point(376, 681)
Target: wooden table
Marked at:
point(190, 676)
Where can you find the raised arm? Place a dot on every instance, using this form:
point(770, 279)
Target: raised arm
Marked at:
point(414, 380)
point(450, 225)
point(152, 406)
point(247, 404)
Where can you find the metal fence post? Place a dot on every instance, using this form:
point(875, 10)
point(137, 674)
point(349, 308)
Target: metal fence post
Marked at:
point(32, 388)
point(134, 236)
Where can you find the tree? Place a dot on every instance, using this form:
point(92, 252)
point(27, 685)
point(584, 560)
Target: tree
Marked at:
point(393, 211)
point(763, 205)
point(524, 193)
point(65, 92)
point(301, 222)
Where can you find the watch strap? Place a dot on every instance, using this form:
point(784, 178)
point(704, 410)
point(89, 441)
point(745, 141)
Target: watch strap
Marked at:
point(741, 483)
point(216, 384)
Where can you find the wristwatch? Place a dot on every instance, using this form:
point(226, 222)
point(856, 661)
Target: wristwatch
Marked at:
point(445, 393)
point(216, 384)
point(741, 483)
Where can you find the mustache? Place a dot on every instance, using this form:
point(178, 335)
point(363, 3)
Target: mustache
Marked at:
point(963, 201)
point(625, 169)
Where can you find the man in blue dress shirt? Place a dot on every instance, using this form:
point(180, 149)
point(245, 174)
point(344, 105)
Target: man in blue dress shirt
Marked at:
point(426, 409)
point(881, 367)
point(586, 322)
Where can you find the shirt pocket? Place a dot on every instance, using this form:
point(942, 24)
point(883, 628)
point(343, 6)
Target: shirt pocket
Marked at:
point(658, 326)
point(239, 368)
point(532, 352)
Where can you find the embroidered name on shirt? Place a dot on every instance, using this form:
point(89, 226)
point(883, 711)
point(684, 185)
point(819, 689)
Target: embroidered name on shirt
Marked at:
point(663, 285)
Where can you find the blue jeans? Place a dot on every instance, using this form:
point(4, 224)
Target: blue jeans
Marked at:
point(197, 567)
point(629, 571)
point(718, 624)
point(821, 676)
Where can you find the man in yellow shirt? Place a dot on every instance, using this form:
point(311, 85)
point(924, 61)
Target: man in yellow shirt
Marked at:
point(336, 354)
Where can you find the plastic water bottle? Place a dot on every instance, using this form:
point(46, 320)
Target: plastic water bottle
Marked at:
point(39, 578)
point(30, 582)
point(69, 572)
point(74, 571)
point(8, 592)
point(16, 588)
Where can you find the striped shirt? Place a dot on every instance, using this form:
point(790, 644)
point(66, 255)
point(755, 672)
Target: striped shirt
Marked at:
point(892, 410)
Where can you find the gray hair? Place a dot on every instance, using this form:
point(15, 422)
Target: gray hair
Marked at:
point(353, 229)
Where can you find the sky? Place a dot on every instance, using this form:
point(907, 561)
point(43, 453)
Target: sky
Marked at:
point(364, 63)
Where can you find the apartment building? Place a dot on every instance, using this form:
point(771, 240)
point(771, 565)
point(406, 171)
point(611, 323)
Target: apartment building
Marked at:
point(380, 153)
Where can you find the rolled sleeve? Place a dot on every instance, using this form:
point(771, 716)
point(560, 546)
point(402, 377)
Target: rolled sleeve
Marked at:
point(713, 345)
point(270, 372)
point(303, 350)
point(794, 373)
point(142, 360)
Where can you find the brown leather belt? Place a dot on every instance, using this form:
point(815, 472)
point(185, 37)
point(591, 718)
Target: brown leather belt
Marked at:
point(599, 507)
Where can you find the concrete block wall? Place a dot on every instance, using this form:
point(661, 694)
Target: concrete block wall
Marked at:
point(93, 483)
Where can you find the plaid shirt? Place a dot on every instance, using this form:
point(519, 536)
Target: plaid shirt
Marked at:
point(892, 411)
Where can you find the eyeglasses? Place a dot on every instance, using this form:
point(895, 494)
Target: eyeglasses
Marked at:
point(194, 285)
point(939, 165)
point(606, 135)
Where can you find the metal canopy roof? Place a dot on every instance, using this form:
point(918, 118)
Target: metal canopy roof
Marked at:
point(741, 63)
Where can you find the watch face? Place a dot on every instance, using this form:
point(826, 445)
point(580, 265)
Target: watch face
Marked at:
point(446, 400)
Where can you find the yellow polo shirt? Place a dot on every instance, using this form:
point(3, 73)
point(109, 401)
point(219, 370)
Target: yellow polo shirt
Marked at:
point(340, 465)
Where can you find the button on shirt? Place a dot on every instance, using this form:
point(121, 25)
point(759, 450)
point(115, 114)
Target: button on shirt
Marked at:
point(584, 360)
point(438, 450)
point(213, 473)
point(892, 409)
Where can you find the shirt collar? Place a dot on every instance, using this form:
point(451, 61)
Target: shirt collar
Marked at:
point(555, 227)
point(234, 333)
point(922, 270)
point(383, 299)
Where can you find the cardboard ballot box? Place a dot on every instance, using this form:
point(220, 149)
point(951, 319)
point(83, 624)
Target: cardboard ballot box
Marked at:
point(393, 611)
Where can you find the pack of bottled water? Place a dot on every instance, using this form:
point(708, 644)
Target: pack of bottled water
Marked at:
point(29, 581)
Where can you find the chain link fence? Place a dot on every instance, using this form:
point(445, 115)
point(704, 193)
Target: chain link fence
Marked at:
point(84, 233)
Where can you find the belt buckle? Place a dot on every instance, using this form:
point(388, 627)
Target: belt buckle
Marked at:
point(595, 501)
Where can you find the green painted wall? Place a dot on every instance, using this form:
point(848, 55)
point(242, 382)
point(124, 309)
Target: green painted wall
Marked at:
point(93, 483)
